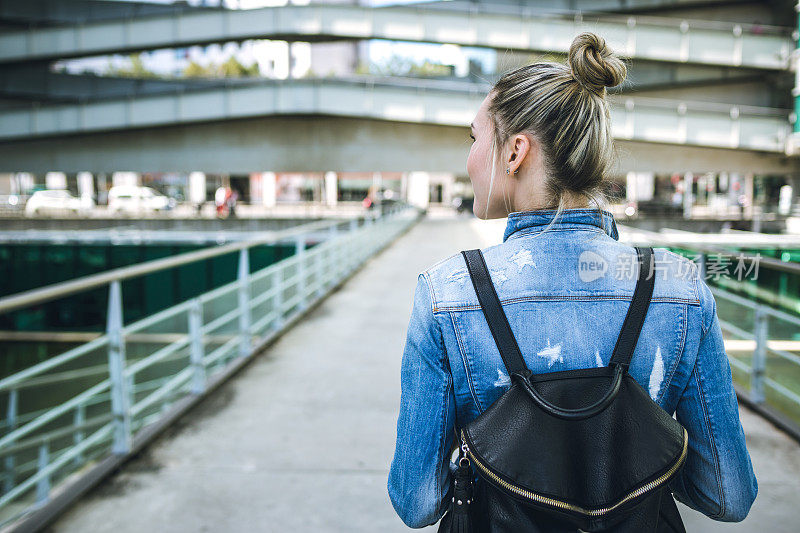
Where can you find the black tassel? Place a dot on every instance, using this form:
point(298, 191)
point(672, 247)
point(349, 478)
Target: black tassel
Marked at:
point(457, 518)
point(462, 498)
point(461, 523)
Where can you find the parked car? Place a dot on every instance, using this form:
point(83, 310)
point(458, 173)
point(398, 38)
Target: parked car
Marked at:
point(53, 201)
point(133, 199)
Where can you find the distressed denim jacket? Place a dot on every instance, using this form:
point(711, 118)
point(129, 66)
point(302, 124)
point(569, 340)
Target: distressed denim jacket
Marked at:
point(565, 290)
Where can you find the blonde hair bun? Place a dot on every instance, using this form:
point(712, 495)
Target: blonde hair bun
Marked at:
point(593, 64)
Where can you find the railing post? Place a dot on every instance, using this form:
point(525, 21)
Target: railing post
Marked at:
point(330, 263)
point(277, 299)
point(759, 362)
point(43, 484)
point(116, 370)
point(331, 269)
point(244, 303)
point(346, 257)
point(196, 347)
point(320, 270)
point(300, 251)
point(78, 436)
point(10, 462)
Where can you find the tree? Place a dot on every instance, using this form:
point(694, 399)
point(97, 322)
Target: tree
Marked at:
point(135, 70)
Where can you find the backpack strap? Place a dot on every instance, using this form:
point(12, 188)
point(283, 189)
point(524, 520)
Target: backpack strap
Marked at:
point(626, 342)
point(493, 310)
point(504, 337)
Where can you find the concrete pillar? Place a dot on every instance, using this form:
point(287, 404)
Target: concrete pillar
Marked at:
point(55, 180)
point(630, 187)
point(86, 188)
point(22, 182)
point(748, 192)
point(331, 188)
point(687, 195)
point(639, 186)
point(447, 189)
point(734, 190)
point(197, 188)
point(419, 193)
point(268, 189)
point(785, 198)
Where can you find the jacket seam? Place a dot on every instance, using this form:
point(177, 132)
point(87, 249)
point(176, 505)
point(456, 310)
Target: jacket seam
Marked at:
point(702, 314)
point(430, 292)
point(467, 366)
point(471, 307)
point(679, 354)
point(714, 452)
point(439, 453)
point(713, 306)
point(571, 210)
point(696, 277)
point(445, 364)
point(537, 231)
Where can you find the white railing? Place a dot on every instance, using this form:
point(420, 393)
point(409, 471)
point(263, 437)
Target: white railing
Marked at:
point(70, 411)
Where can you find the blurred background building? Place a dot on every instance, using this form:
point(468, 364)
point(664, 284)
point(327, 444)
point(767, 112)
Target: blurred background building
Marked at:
point(320, 103)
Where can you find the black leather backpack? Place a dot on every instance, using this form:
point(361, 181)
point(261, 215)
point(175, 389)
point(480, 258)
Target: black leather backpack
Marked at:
point(576, 450)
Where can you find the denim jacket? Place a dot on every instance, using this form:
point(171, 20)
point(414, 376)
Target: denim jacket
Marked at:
point(566, 290)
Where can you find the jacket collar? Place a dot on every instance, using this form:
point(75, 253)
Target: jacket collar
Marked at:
point(535, 221)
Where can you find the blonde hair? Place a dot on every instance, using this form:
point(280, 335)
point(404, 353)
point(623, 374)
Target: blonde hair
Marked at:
point(564, 108)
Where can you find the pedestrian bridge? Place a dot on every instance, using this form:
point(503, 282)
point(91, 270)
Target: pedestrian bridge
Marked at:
point(301, 437)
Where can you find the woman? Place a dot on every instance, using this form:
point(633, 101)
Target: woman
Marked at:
point(565, 282)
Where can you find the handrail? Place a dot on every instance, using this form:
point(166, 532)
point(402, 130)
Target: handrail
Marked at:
point(58, 290)
point(660, 240)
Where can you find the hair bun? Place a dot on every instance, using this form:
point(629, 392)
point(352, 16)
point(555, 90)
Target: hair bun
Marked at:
point(593, 64)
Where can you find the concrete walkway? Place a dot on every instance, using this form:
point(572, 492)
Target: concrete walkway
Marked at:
point(302, 439)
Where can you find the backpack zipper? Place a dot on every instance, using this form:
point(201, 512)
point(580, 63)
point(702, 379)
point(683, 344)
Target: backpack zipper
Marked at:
point(564, 505)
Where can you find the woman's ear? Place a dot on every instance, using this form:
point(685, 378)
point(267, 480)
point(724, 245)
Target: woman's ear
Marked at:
point(522, 146)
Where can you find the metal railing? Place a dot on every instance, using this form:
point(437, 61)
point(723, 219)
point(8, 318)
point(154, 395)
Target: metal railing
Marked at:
point(67, 413)
point(764, 351)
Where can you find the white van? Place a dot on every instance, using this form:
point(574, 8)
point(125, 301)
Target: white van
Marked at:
point(133, 199)
point(55, 201)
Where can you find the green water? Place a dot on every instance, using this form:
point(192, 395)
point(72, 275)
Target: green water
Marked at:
point(778, 290)
point(29, 266)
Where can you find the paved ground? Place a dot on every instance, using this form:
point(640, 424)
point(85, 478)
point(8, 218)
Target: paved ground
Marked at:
point(302, 439)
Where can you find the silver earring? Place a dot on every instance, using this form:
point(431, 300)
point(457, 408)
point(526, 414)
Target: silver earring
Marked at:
point(508, 171)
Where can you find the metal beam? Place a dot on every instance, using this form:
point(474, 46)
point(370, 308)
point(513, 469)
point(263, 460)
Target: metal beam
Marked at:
point(640, 37)
point(441, 103)
point(35, 83)
point(323, 143)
